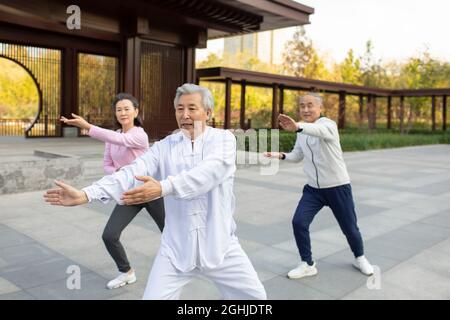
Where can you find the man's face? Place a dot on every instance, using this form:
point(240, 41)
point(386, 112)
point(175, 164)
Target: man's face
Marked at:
point(190, 111)
point(309, 108)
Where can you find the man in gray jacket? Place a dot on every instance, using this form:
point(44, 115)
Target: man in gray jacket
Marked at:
point(328, 183)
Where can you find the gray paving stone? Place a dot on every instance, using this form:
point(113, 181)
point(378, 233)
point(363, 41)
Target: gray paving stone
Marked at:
point(334, 280)
point(381, 246)
point(282, 288)
point(330, 235)
point(273, 260)
point(268, 185)
point(24, 254)
point(403, 206)
point(436, 262)
point(363, 209)
point(433, 205)
point(20, 295)
point(441, 219)
point(408, 213)
point(200, 289)
point(442, 247)
point(279, 233)
point(92, 288)
point(376, 225)
point(434, 188)
point(40, 272)
point(344, 259)
point(7, 286)
point(9, 237)
point(126, 296)
point(415, 237)
point(427, 234)
point(407, 281)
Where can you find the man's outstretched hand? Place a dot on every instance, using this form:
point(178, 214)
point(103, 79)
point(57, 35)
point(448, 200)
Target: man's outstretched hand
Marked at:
point(65, 195)
point(287, 123)
point(150, 190)
point(276, 155)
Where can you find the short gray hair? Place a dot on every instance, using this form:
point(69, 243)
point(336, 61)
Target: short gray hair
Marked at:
point(312, 94)
point(189, 88)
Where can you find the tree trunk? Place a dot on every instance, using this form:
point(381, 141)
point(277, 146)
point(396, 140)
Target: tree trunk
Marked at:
point(410, 118)
point(371, 113)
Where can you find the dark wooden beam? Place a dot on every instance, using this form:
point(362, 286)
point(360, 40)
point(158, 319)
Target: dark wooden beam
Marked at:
point(421, 92)
point(227, 122)
point(341, 111)
point(294, 83)
point(297, 83)
point(69, 84)
point(274, 121)
point(285, 9)
point(242, 110)
point(191, 75)
point(375, 107)
point(57, 27)
point(281, 107)
point(402, 113)
point(444, 113)
point(371, 112)
point(389, 112)
point(176, 13)
point(361, 109)
point(132, 66)
point(31, 37)
point(433, 113)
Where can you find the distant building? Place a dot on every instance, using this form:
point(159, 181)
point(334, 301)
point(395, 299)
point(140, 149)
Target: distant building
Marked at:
point(267, 46)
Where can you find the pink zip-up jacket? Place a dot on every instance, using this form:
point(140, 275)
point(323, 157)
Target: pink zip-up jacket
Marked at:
point(120, 148)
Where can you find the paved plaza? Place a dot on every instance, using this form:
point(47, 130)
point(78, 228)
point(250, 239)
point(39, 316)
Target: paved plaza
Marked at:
point(403, 205)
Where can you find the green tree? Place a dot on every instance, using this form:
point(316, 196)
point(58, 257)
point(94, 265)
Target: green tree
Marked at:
point(212, 60)
point(372, 72)
point(350, 69)
point(298, 53)
point(421, 72)
point(97, 86)
point(18, 93)
point(372, 75)
point(316, 68)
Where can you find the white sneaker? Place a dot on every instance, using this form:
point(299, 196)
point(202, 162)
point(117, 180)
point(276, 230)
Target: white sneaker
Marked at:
point(122, 279)
point(303, 270)
point(363, 265)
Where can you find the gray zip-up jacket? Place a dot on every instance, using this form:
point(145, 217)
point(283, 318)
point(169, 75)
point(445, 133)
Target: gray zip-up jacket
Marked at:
point(318, 143)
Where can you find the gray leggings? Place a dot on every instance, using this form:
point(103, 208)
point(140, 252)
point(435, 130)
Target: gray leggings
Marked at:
point(119, 219)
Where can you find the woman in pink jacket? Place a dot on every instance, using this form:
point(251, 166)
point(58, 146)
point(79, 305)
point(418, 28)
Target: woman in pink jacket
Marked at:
point(121, 148)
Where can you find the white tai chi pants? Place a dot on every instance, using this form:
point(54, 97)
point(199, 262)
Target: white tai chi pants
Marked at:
point(235, 278)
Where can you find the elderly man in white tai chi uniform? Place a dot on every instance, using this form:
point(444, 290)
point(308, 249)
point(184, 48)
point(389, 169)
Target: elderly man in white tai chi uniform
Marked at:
point(193, 170)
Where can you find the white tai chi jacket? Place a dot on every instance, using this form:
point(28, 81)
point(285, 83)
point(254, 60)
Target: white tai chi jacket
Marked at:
point(197, 186)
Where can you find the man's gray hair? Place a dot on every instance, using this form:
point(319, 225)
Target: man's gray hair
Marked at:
point(189, 88)
point(312, 94)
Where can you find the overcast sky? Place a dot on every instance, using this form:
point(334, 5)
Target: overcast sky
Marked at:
point(398, 28)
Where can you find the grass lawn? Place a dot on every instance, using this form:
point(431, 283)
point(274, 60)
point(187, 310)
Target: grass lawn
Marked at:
point(354, 140)
point(381, 140)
